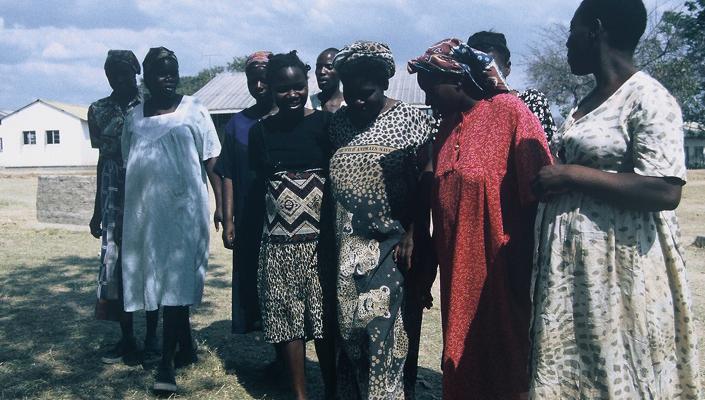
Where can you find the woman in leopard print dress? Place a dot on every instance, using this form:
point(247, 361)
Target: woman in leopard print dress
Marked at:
point(373, 175)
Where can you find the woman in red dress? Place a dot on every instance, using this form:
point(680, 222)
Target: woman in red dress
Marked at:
point(488, 150)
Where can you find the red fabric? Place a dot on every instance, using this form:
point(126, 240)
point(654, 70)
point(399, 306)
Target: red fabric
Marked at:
point(483, 214)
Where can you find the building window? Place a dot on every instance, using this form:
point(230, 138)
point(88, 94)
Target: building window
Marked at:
point(29, 137)
point(0, 145)
point(53, 137)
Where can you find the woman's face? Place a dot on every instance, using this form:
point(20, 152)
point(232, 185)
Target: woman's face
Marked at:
point(163, 79)
point(290, 89)
point(256, 82)
point(443, 94)
point(364, 96)
point(581, 46)
point(122, 79)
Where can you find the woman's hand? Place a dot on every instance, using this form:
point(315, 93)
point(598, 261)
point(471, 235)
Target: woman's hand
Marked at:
point(228, 234)
point(552, 180)
point(94, 226)
point(218, 218)
point(403, 251)
point(426, 300)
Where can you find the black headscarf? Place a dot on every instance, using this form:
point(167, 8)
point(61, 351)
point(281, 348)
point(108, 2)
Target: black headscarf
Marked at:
point(126, 57)
point(155, 54)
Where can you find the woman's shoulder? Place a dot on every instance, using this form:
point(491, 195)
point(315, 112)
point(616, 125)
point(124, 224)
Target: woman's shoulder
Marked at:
point(505, 101)
point(319, 116)
point(532, 96)
point(643, 88)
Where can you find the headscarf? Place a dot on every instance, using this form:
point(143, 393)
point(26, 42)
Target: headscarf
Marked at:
point(362, 50)
point(452, 56)
point(122, 57)
point(155, 54)
point(261, 56)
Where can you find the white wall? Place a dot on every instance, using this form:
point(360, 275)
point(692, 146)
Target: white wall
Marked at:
point(74, 148)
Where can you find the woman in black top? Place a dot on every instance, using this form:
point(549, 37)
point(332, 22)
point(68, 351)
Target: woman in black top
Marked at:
point(289, 154)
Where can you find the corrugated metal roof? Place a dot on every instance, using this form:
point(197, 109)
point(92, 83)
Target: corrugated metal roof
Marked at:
point(227, 92)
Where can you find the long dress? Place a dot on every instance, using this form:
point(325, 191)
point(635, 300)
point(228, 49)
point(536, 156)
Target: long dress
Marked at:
point(233, 163)
point(166, 223)
point(291, 165)
point(483, 213)
point(105, 121)
point(373, 173)
point(612, 316)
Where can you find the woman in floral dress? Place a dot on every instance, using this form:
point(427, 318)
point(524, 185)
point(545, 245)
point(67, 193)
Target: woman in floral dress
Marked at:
point(612, 315)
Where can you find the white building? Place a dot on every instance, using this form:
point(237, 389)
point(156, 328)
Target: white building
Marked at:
point(46, 134)
point(694, 144)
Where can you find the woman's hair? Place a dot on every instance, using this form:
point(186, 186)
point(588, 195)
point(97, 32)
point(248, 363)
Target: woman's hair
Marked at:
point(487, 41)
point(284, 60)
point(370, 68)
point(624, 20)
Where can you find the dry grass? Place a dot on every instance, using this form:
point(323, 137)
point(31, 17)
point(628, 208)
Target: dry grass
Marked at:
point(50, 342)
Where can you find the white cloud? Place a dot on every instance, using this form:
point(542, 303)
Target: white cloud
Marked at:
point(62, 58)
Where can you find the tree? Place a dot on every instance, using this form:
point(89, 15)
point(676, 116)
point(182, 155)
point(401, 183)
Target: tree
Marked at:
point(549, 72)
point(689, 25)
point(190, 84)
point(237, 64)
point(666, 52)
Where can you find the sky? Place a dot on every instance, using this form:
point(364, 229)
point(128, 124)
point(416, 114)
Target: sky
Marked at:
point(55, 49)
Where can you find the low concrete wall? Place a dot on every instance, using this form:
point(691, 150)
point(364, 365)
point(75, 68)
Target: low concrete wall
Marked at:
point(65, 199)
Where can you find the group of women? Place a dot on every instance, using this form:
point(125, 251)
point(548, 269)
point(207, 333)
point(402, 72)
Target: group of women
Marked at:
point(561, 271)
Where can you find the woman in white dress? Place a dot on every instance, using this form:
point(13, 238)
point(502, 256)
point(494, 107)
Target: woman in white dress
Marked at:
point(612, 312)
point(169, 146)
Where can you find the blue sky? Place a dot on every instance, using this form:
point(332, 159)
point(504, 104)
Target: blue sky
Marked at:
point(55, 49)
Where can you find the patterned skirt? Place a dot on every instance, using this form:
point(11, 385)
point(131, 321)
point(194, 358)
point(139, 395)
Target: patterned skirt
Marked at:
point(109, 293)
point(288, 277)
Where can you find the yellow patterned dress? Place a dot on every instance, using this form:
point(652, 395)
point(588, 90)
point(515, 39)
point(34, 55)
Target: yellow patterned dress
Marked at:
point(612, 311)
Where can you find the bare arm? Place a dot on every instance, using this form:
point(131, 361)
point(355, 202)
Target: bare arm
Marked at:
point(216, 184)
point(96, 219)
point(627, 190)
point(228, 214)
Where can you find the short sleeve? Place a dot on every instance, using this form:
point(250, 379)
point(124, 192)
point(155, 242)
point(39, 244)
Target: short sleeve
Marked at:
point(656, 130)
point(530, 152)
point(126, 138)
point(207, 139)
point(93, 129)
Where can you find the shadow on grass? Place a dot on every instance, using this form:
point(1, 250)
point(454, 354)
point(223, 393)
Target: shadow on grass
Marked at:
point(50, 339)
point(246, 357)
point(50, 342)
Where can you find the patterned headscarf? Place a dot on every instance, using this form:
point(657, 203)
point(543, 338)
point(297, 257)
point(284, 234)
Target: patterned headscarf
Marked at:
point(258, 57)
point(362, 50)
point(452, 56)
point(122, 57)
point(155, 54)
